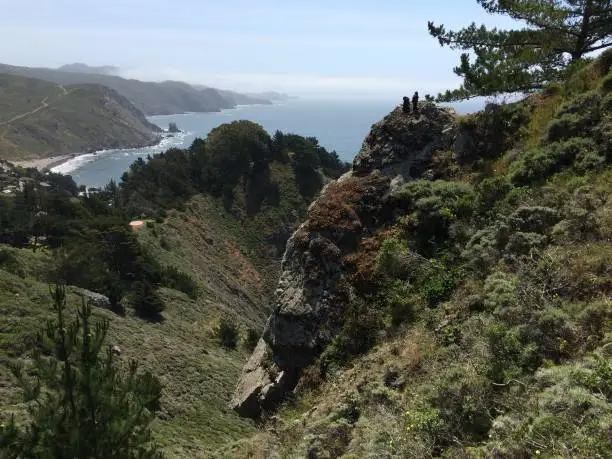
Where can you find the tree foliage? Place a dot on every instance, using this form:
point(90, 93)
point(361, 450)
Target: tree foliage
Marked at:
point(555, 34)
point(81, 403)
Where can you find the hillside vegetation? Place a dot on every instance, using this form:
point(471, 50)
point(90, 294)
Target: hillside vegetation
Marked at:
point(151, 98)
point(41, 119)
point(188, 292)
point(473, 315)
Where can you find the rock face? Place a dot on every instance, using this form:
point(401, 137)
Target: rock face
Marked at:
point(316, 285)
point(402, 144)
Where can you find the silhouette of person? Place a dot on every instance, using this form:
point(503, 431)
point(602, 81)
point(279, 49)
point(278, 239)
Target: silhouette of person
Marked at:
point(415, 101)
point(406, 105)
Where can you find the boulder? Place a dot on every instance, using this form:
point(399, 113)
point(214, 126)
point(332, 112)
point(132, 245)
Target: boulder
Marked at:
point(92, 298)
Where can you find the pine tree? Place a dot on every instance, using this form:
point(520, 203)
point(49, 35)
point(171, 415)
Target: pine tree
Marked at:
point(557, 33)
point(81, 404)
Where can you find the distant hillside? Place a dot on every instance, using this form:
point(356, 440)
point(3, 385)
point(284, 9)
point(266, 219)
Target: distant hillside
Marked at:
point(40, 119)
point(151, 98)
point(271, 95)
point(79, 67)
point(243, 99)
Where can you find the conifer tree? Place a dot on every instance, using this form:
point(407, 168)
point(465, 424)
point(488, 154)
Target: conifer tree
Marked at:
point(80, 403)
point(556, 33)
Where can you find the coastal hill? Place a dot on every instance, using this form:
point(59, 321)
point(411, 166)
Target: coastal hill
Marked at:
point(40, 119)
point(79, 67)
point(206, 259)
point(152, 98)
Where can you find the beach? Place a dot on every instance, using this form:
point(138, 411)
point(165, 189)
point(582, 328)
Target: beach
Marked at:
point(45, 163)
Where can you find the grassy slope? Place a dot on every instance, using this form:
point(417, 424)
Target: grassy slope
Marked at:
point(235, 275)
point(427, 380)
point(42, 119)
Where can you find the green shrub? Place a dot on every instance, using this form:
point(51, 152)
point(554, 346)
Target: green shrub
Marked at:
point(227, 333)
point(539, 164)
point(463, 401)
point(567, 126)
point(10, 263)
point(389, 261)
point(511, 353)
point(500, 292)
point(521, 243)
point(178, 280)
point(438, 287)
point(589, 160)
point(606, 102)
point(606, 84)
point(251, 338)
point(433, 207)
point(400, 302)
point(597, 379)
point(492, 190)
point(144, 300)
point(533, 219)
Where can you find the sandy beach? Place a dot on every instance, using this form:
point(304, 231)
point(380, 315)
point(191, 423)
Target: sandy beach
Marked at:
point(45, 163)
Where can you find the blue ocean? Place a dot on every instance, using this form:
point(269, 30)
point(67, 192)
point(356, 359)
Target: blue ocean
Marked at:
point(339, 125)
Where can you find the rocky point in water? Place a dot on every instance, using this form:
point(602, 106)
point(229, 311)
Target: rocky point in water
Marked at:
point(315, 285)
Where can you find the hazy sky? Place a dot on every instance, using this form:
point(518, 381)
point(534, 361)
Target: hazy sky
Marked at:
point(372, 48)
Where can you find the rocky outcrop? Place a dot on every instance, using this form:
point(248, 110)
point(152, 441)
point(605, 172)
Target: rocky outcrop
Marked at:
point(402, 144)
point(92, 298)
point(315, 285)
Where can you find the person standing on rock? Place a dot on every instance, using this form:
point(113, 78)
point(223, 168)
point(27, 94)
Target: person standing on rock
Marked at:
point(415, 102)
point(406, 105)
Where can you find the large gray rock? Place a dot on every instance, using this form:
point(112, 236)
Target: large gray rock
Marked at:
point(92, 298)
point(314, 287)
point(402, 144)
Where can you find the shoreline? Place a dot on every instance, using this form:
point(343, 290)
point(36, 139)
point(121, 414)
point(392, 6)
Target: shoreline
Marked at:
point(45, 163)
point(51, 162)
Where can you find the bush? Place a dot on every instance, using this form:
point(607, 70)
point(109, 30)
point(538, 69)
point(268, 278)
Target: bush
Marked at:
point(438, 287)
point(389, 261)
point(178, 280)
point(512, 354)
point(145, 300)
point(433, 207)
point(492, 190)
point(251, 339)
point(567, 126)
point(227, 333)
point(539, 164)
point(606, 84)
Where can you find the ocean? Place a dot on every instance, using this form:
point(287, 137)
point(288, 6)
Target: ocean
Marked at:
point(339, 125)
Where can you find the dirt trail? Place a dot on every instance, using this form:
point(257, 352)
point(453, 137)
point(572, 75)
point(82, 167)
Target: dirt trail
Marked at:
point(43, 104)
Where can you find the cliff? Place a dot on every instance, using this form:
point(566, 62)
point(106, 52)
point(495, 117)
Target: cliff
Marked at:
point(317, 269)
point(450, 296)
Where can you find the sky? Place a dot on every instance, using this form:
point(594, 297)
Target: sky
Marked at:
point(315, 48)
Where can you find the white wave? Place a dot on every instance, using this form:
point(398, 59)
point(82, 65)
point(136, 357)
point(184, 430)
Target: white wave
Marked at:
point(78, 162)
point(74, 163)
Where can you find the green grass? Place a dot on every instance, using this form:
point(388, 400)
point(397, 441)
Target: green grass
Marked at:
point(197, 373)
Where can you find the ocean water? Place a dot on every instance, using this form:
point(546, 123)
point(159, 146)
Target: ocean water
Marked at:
point(339, 125)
